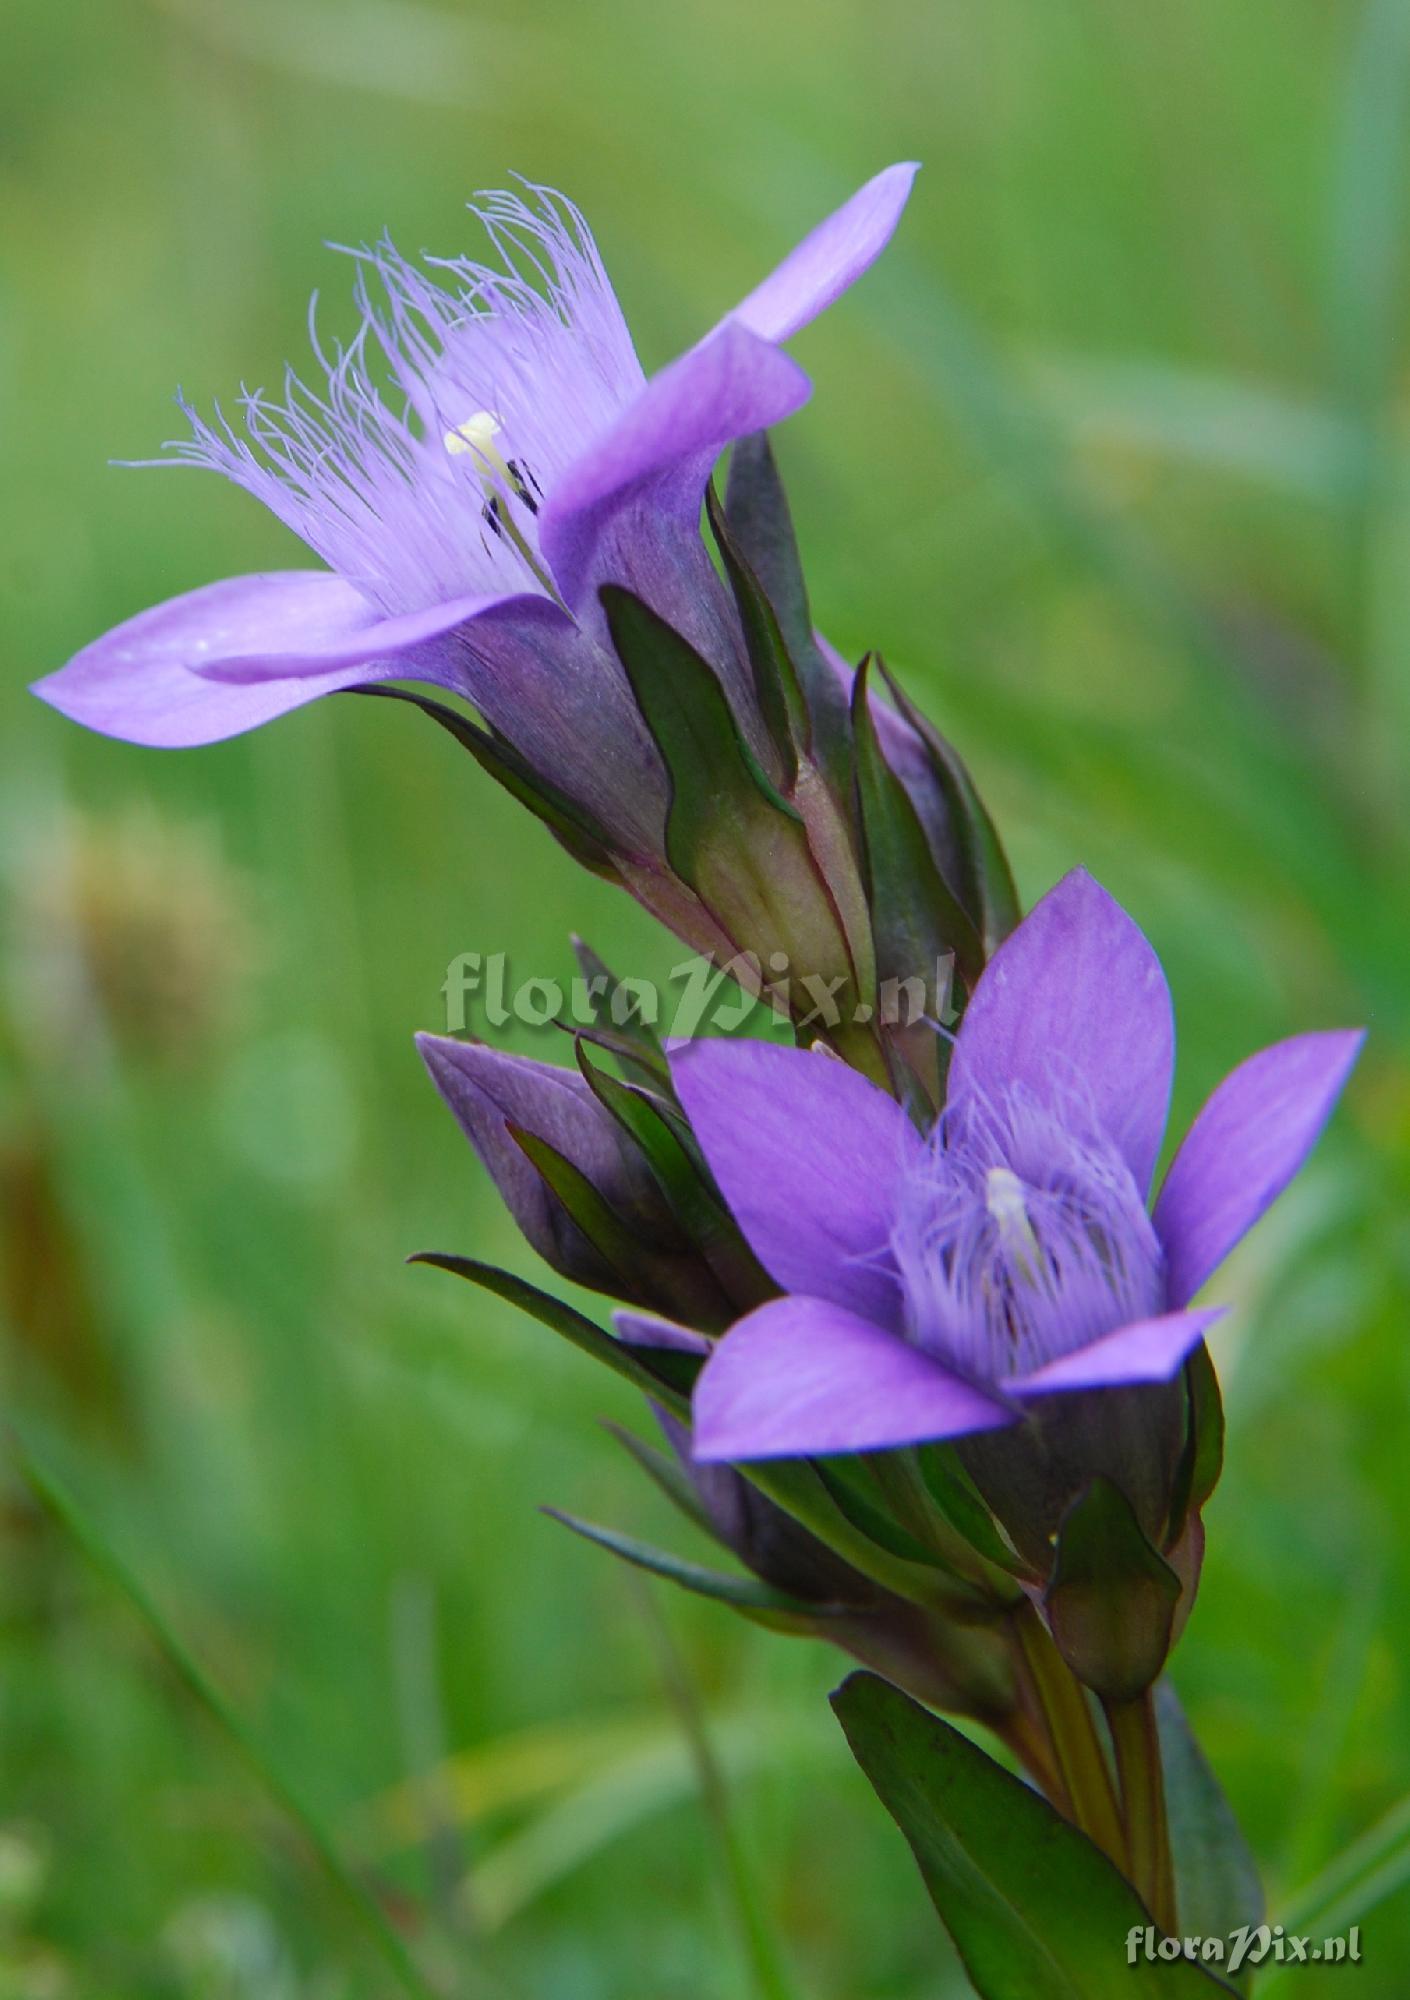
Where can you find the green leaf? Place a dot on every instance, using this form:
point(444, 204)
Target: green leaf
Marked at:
point(565, 1319)
point(1216, 1879)
point(742, 1593)
point(1111, 1599)
point(917, 919)
point(1035, 1910)
point(570, 826)
point(984, 881)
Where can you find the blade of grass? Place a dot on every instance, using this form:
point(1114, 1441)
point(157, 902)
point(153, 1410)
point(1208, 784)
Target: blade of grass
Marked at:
point(66, 1513)
point(1371, 1869)
point(771, 1979)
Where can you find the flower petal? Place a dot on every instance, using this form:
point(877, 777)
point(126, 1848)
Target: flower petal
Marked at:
point(658, 453)
point(801, 1377)
point(1244, 1147)
point(1149, 1351)
point(234, 654)
point(1074, 1008)
point(808, 1156)
point(638, 1329)
point(830, 258)
point(487, 1091)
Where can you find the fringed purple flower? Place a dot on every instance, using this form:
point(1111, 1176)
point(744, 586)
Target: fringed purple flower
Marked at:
point(936, 1285)
point(480, 457)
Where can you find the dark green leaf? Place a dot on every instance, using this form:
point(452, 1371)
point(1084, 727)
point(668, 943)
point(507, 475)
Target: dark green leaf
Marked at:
point(620, 1247)
point(959, 1500)
point(1203, 1457)
point(564, 1319)
point(1216, 1878)
point(1111, 1598)
point(1035, 1910)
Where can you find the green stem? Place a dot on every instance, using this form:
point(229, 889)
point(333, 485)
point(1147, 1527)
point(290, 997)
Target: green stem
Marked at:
point(1072, 1730)
point(1137, 1744)
point(66, 1513)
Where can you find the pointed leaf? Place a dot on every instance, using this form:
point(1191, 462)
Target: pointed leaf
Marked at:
point(564, 1319)
point(664, 1470)
point(1216, 1878)
point(1203, 1457)
point(1035, 1910)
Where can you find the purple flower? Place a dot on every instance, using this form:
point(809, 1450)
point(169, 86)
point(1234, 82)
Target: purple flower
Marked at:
point(938, 1285)
point(484, 453)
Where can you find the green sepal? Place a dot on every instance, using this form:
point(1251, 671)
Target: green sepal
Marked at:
point(984, 880)
point(617, 1244)
point(1216, 1877)
point(960, 1501)
point(731, 836)
point(570, 826)
point(633, 1045)
point(1035, 1910)
point(663, 1469)
point(574, 1326)
point(757, 513)
point(1111, 1599)
point(782, 702)
point(1202, 1459)
point(742, 1593)
point(670, 1151)
point(917, 919)
point(852, 1484)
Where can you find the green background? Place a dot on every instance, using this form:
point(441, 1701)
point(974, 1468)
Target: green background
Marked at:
point(1109, 457)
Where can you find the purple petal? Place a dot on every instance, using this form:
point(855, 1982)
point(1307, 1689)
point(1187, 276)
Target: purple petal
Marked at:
point(1073, 1008)
point(1253, 1134)
point(275, 641)
point(638, 1329)
point(830, 258)
point(801, 1377)
point(1149, 1351)
point(657, 455)
point(487, 1091)
point(808, 1156)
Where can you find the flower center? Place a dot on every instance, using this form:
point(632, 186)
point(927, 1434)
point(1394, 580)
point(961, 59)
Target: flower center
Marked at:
point(1019, 1238)
point(502, 480)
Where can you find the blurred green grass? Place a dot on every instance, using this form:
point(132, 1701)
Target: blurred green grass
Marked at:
point(1109, 457)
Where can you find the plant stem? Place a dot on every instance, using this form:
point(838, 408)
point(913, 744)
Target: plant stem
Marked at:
point(1138, 1765)
point(1072, 1730)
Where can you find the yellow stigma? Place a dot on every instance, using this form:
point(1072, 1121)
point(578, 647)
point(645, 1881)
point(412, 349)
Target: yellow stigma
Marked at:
point(477, 435)
point(1003, 1197)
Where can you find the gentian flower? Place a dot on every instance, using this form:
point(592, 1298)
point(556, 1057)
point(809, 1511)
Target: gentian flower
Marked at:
point(483, 455)
point(943, 1285)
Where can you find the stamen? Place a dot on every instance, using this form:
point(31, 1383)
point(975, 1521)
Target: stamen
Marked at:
point(1004, 1199)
